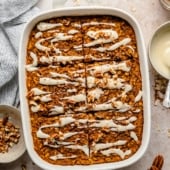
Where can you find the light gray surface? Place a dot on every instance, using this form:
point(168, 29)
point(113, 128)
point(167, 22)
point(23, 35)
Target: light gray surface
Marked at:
point(150, 15)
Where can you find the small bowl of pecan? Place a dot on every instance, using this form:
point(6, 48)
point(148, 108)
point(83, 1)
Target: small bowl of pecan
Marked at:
point(12, 144)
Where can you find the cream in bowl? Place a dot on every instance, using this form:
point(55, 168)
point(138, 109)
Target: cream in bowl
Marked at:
point(159, 54)
point(160, 50)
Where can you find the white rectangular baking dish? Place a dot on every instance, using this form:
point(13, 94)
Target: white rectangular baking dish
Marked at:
point(78, 11)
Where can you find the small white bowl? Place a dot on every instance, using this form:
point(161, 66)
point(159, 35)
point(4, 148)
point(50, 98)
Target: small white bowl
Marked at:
point(165, 4)
point(18, 149)
point(160, 42)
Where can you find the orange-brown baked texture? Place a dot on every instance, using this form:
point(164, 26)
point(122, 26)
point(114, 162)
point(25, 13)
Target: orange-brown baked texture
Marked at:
point(84, 90)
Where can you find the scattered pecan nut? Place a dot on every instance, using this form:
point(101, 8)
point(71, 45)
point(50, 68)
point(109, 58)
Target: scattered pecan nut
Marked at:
point(157, 163)
point(153, 168)
point(9, 134)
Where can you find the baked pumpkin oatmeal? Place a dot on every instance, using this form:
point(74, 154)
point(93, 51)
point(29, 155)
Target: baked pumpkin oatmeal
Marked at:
point(84, 90)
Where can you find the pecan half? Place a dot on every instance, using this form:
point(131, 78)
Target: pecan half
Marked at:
point(157, 163)
point(153, 168)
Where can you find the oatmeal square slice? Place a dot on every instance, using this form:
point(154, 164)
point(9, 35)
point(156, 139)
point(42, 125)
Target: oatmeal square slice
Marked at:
point(57, 90)
point(108, 86)
point(64, 138)
point(53, 41)
point(112, 136)
point(107, 38)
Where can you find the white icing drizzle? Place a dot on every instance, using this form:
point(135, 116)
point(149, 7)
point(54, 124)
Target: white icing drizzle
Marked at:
point(66, 120)
point(63, 122)
point(90, 81)
point(45, 59)
point(45, 98)
point(71, 90)
point(82, 80)
point(107, 32)
point(30, 69)
point(83, 121)
point(102, 107)
point(115, 84)
point(109, 67)
point(127, 88)
point(119, 152)
point(139, 96)
point(112, 125)
point(121, 128)
point(121, 107)
point(81, 109)
point(60, 59)
point(129, 46)
point(77, 98)
point(41, 134)
point(103, 123)
point(94, 34)
point(95, 58)
point(67, 58)
point(50, 81)
point(57, 51)
point(84, 148)
point(98, 23)
point(69, 134)
point(133, 136)
point(73, 31)
point(61, 37)
point(64, 143)
point(33, 65)
point(51, 145)
point(54, 74)
point(56, 110)
point(35, 107)
point(95, 93)
point(120, 118)
point(57, 144)
point(41, 47)
point(99, 146)
point(118, 105)
point(37, 91)
point(38, 35)
point(136, 111)
point(77, 25)
point(131, 119)
point(61, 156)
point(114, 46)
point(43, 26)
point(53, 31)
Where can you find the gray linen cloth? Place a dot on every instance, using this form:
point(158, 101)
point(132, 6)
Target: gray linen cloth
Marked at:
point(13, 16)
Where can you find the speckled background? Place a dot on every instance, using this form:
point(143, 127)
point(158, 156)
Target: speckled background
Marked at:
point(150, 15)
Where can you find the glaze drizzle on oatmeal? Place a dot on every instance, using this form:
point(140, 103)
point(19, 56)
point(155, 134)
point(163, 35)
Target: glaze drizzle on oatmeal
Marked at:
point(83, 95)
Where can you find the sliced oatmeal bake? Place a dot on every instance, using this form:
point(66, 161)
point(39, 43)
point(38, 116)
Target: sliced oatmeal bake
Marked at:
point(84, 90)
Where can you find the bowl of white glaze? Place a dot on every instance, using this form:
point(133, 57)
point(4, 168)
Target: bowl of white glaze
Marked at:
point(159, 50)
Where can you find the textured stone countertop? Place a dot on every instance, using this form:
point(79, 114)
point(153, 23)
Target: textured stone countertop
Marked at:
point(150, 15)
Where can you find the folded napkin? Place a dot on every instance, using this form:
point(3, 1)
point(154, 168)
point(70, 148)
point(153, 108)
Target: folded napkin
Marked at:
point(13, 15)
